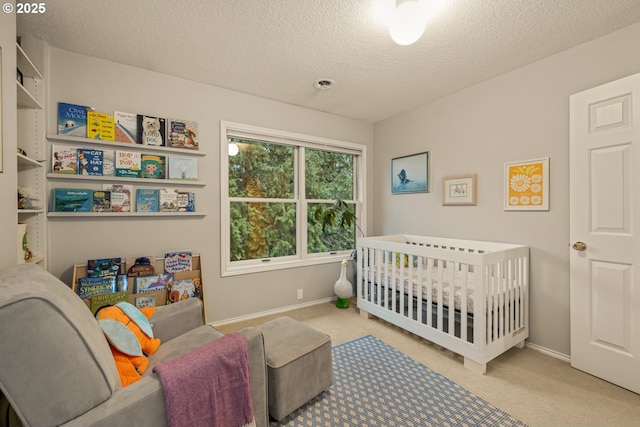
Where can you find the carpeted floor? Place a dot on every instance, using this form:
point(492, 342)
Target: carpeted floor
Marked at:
point(533, 387)
point(376, 385)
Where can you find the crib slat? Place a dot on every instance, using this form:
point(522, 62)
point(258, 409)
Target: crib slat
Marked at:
point(401, 287)
point(440, 296)
point(463, 301)
point(429, 291)
point(511, 300)
point(419, 282)
point(494, 305)
point(409, 292)
point(394, 280)
point(452, 267)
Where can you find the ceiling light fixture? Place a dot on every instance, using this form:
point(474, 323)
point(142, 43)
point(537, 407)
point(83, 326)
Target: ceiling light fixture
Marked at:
point(233, 149)
point(407, 22)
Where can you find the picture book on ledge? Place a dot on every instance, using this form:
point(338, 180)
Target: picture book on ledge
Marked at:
point(64, 159)
point(183, 168)
point(179, 290)
point(153, 283)
point(72, 119)
point(147, 200)
point(169, 200)
point(175, 262)
point(153, 166)
point(183, 134)
point(128, 164)
point(151, 130)
point(102, 267)
point(90, 162)
point(101, 201)
point(72, 200)
point(100, 126)
point(126, 127)
point(121, 196)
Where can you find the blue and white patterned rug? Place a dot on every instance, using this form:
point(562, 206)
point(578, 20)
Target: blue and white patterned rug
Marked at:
point(377, 385)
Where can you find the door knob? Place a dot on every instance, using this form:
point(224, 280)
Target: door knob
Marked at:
point(579, 246)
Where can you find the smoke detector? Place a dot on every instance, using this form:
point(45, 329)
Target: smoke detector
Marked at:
point(324, 84)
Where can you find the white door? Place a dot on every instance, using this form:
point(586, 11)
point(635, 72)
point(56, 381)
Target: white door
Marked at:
point(604, 228)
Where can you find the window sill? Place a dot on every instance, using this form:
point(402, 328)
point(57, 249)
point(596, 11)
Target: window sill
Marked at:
point(272, 265)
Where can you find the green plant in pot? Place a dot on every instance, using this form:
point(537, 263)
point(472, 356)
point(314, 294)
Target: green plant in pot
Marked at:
point(339, 227)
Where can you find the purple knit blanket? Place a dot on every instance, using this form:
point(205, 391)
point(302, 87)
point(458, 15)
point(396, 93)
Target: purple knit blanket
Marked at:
point(209, 386)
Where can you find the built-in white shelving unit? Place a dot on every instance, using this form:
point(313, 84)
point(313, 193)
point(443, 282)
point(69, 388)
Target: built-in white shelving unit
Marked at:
point(31, 164)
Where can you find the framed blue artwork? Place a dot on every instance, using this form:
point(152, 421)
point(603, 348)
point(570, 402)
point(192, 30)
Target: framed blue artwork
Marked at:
point(410, 174)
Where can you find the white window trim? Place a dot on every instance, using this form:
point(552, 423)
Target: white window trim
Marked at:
point(234, 129)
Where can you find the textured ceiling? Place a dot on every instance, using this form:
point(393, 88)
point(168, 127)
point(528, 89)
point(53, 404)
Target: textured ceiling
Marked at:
point(277, 49)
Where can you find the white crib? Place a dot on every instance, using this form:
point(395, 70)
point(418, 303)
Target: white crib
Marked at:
point(470, 297)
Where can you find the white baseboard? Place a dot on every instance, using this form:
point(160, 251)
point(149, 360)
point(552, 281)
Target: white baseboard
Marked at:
point(270, 312)
point(549, 352)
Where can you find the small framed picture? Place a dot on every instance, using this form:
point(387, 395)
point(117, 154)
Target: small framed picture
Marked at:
point(526, 185)
point(459, 190)
point(410, 174)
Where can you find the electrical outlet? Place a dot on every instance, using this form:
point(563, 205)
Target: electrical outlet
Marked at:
point(299, 293)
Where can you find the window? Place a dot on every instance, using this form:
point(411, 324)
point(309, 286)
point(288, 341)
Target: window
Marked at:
point(277, 188)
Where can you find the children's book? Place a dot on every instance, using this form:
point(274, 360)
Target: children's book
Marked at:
point(121, 196)
point(126, 127)
point(104, 267)
point(64, 159)
point(90, 162)
point(128, 164)
point(153, 166)
point(72, 200)
point(180, 290)
point(168, 200)
point(100, 300)
point(183, 168)
point(151, 130)
point(88, 286)
point(140, 266)
point(153, 283)
point(175, 262)
point(108, 162)
point(101, 201)
point(183, 201)
point(147, 200)
point(186, 201)
point(72, 119)
point(146, 301)
point(182, 134)
point(100, 126)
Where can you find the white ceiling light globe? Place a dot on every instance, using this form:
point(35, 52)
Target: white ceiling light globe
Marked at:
point(233, 149)
point(408, 23)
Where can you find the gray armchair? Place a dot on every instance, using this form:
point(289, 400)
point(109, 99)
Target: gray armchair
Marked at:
point(56, 367)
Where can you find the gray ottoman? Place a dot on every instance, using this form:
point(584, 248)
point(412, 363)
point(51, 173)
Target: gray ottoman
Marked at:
point(299, 364)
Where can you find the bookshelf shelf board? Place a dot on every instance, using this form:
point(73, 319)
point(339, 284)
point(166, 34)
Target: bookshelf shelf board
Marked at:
point(30, 211)
point(145, 181)
point(26, 100)
point(25, 65)
point(124, 214)
point(124, 145)
point(28, 162)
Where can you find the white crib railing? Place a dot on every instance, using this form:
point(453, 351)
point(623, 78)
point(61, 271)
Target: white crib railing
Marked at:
point(468, 296)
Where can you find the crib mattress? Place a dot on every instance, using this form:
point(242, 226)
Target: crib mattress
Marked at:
point(380, 277)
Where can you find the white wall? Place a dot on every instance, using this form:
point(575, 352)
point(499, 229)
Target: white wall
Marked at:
point(108, 86)
point(8, 179)
point(520, 115)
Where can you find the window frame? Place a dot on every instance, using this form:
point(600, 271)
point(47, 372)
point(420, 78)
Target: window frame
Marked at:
point(299, 141)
